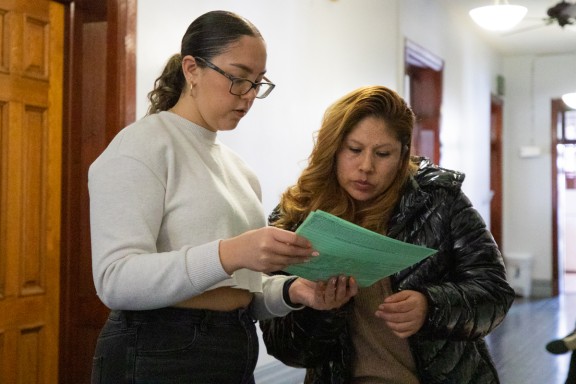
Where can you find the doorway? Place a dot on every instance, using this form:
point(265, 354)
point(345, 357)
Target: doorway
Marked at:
point(563, 198)
point(423, 76)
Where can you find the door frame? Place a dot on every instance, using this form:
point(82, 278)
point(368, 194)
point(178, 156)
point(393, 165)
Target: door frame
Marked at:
point(496, 168)
point(558, 107)
point(87, 129)
point(423, 72)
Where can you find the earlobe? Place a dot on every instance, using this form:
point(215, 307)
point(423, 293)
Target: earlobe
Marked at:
point(190, 71)
point(189, 67)
point(191, 89)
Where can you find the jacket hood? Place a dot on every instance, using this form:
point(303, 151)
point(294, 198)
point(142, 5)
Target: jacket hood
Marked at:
point(429, 173)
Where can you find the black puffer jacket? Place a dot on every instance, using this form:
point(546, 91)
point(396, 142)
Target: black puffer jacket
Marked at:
point(465, 284)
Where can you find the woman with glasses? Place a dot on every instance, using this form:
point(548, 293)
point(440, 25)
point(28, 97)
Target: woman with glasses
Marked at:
point(179, 238)
point(426, 323)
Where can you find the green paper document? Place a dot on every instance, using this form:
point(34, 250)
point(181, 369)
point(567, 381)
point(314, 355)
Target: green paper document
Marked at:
point(348, 249)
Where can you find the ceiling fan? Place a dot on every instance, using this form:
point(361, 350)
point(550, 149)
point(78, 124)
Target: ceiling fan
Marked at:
point(563, 13)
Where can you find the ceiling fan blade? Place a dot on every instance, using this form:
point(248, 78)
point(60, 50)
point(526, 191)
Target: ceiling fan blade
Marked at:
point(564, 13)
point(570, 11)
point(525, 29)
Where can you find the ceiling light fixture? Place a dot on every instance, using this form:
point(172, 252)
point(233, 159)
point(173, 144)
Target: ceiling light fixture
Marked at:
point(570, 99)
point(500, 16)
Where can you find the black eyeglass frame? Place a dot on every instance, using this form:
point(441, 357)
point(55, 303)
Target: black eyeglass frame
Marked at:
point(235, 79)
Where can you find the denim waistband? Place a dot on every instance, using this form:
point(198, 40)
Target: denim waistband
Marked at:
point(181, 315)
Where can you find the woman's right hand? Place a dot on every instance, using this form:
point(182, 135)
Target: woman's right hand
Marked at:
point(323, 295)
point(266, 249)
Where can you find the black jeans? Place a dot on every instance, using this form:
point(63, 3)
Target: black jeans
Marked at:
point(174, 345)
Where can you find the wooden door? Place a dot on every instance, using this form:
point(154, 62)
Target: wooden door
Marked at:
point(31, 40)
point(496, 118)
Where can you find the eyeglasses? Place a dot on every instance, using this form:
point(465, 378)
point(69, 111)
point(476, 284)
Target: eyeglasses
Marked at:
point(240, 86)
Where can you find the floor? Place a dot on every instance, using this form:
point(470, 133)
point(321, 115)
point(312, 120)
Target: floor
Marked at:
point(518, 344)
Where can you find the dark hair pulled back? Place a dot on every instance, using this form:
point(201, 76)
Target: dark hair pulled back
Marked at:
point(209, 35)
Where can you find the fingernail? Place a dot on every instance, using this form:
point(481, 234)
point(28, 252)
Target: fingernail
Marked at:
point(315, 253)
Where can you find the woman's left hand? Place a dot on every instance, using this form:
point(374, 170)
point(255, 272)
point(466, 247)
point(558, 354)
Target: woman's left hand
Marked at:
point(404, 312)
point(323, 295)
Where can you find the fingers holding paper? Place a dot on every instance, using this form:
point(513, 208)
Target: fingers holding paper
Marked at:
point(323, 295)
point(266, 249)
point(404, 312)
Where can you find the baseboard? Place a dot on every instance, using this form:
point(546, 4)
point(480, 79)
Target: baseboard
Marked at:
point(277, 373)
point(541, 288)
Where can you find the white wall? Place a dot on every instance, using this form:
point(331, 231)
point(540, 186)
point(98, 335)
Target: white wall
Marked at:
point(320, 49)
point(531, 83)
point(470, 68)
point(317, 52)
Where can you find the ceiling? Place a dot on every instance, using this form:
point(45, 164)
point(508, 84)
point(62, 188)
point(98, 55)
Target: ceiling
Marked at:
point(532, 35)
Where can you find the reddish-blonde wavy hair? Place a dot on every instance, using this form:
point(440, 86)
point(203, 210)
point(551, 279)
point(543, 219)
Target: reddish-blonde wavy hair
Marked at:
point(318, 187)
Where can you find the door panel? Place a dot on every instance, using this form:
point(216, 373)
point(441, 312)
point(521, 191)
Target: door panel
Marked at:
point(30, 170)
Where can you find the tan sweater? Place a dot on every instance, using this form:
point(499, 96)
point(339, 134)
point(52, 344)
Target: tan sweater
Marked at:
point(379, 355)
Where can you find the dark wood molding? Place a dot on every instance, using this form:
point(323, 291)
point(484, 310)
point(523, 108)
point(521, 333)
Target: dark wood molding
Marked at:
point(121, 65)
point(99, 100)
point(556, 109)
point(496, 169)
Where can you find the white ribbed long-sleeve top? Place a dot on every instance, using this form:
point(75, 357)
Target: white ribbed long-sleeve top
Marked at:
point(162, 195)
